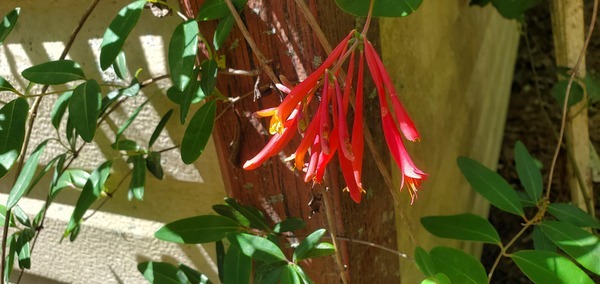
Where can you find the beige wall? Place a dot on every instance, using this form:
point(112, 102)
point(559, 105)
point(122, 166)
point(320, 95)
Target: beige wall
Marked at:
point(114, 240)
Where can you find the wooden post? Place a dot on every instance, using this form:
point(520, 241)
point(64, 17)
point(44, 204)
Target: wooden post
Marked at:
point(568, 30)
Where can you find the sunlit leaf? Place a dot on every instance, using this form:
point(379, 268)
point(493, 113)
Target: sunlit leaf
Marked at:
point(541, 242)
point(222, 31)
point(319, 250)
point(217, 9)
point(549, 267)
point(198, 132)
point(162, 272)
point(289, 275)
point(467, 227)
point(381, 8)
point(257, 247)
point(10, 256)
point(159, 127)
point(255, 217)
point(13, 116)
point(21, 216)
point(439, 278)
point(578, 243)
point(491, 186)
point(120, 66)
point(199, 229)
point(125, 145)
point(54, 72)
point(193, 275)
point(84, 109)
point(572, 214)
point(188, 96)
point(289, 225)
point(231, 213)
point(23, 248)
point(70, 178)
point(118, 31)
point(138, 177)
point(182, 53)
point(60, 106)
point(25, 177)
point(8, 23)
point(238, 266)
point(308, 244)
point(459, 266)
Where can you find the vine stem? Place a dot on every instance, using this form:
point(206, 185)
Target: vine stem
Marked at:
point(31, 118)
point(568, 92)
point(504, 249)
point(350, 240)
point(333, 233)
point(379, 161)
point(261, 57)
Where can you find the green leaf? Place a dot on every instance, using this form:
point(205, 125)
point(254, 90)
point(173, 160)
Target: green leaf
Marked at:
point(209, 76)
point(222, 31)
point(153, 164)
point(491, 186)
point(257, 220)
point(13, 116)
point(466, 227)
point(541, 242)
point(193, 275)
point(439, 278)
point(524, 199)
point(231, 213)
point(481, 3)
point(159, 128)
point(220, 249)
point(381, 8)
point(238, 266)
point(307, 245)
point(196, 230)
point(559, 91)
point(6, 86)
point(549, 267)
point(187, 96)
point(23, 248)
point(459, 266)
point(217, 9)
point(25, 177)
point(320, 249)
point(529, 174)
point(424, 262)
point(289, 225)
point(572, 214)
point(8, 23)
point(513, 9)
point(118, 31)
point(198, 132)
point(182, 53)
point(303, 276)
point(21, 216)
point(289, 275)
point(2, 215)
point(256, 247)
point(138, 177)
point(73, 178)
point(10, 257)
point(54, 72)
point(581, 245)
point(120, 66)
point(84, 109)
point(162, 272)
point(60, 106)
point(125, 145)
point(592, 86)
point(90, 193)
point(130, 119)
point(132, 90)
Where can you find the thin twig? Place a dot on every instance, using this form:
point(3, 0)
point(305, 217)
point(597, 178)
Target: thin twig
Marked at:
point(350, 240)
point(109, 194)
point(333, 232)
point(32, 116)
point(261, 58)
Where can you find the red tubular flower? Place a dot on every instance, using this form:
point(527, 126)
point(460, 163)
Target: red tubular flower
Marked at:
point(410, 173)
point(358, 143)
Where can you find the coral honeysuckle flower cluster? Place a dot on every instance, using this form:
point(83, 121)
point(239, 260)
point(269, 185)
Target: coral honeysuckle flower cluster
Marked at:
point(326, 131)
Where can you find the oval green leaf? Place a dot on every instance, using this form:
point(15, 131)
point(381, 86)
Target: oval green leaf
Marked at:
point(162, 272)
point(118, 31)
point(529, 174)
point(573, 214)
point(229, 212)
point(320, 249)
point(153, 164)
point(182, 53)
point(84, 109)
point(541, 242)
point(549, 267)
point(289, 225)
point(23, 248)
point(130, 119)
point(188, 95)
point(25, 177)
point(138, 177)
point(196, 230)
point(222, 31)
point(559, 91)
point(581, 245)
point(120, 66)
point(308, 244)
point(439, 278)
point(159, 127)
point(59, 108)
point(217, 9)
point(424, 262)
point(289, 275)
point(257, 247)
point(198, 132)
point(54, 72)
point(13, 116)
point(70, 178)
point(8, 23)
point(256, 218)
point(381, 8)
point(238, 266)
point(513, 9)
point(491, 186)
point(466, 227)
point(194, 275)
point(458, 265)
point(6, 86)
point(209, 76)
